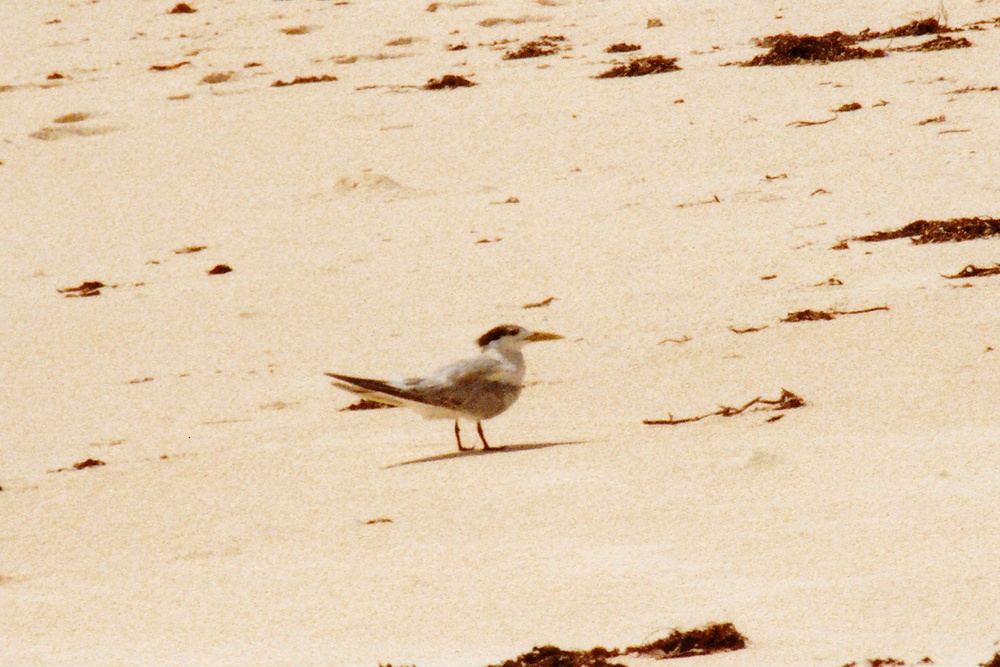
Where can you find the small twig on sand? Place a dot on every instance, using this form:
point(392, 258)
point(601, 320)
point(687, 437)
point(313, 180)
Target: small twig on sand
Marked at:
point(746, 330)
point(539, 304)
point(787, 401)
point(810, 123)
point(679, 341)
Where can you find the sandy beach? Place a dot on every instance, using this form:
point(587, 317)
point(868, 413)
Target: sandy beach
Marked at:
point(179, 484)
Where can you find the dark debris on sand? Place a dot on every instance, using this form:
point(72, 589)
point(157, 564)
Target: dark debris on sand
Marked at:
point(939, 43)
point(323, 78)
point(546, 45)
point(448, 81)
point(167, 68)
point(714, 638)
point(917, 28)
point(641, 67)
point(973, 271)
point(553, 656)
point(366, 404)
point(810, 315)
point(939, 231)
point(787, 401)
point(182, 8)
point(622, 47)
point(84, 289)
point(82, 465)
point(995, 662)
point(788, 49)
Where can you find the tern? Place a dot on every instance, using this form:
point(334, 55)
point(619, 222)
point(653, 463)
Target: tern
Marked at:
point(477, 388)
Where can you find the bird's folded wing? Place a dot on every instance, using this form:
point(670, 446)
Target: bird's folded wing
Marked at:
point(468, 381)
point(392, 393)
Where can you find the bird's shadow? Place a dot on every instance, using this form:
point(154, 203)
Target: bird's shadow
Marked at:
point(526, 447)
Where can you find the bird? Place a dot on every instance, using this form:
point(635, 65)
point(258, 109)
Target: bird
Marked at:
point(477, 388)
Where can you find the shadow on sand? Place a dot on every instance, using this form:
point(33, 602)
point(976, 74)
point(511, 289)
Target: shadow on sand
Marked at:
point(487, 452)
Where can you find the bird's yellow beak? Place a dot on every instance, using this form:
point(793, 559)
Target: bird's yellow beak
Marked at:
point(538, 336)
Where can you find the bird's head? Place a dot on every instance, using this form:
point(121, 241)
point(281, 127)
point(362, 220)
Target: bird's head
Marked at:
point(513, 336)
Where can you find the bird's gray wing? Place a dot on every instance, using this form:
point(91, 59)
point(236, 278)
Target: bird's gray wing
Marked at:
point(481, 386)
point(393, 393)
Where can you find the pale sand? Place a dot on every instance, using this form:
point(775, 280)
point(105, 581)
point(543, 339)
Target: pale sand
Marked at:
point(230, 524)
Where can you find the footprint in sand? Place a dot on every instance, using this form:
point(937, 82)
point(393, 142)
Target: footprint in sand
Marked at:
point(370, 185)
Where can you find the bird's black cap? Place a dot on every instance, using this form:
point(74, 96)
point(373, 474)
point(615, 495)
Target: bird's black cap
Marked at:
point(498, 332)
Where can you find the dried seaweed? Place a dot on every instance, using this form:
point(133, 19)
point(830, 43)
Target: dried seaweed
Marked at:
point(810, 315)
point(850, 106)
point(182, 8)
point(553, 656)
point(716, 638)
point(973, 271)
point(917, 28)
point(622, 47)
point(546, 45)
point(978, 25)
point(448, 81)
point(219, 270)
point(787, 401)
point(789, 49)
point(939, 43)
point(995, 662)
point(86, 288)
point(82, 465)
point(641, 67)
point(939, 231)
point(323, 78)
